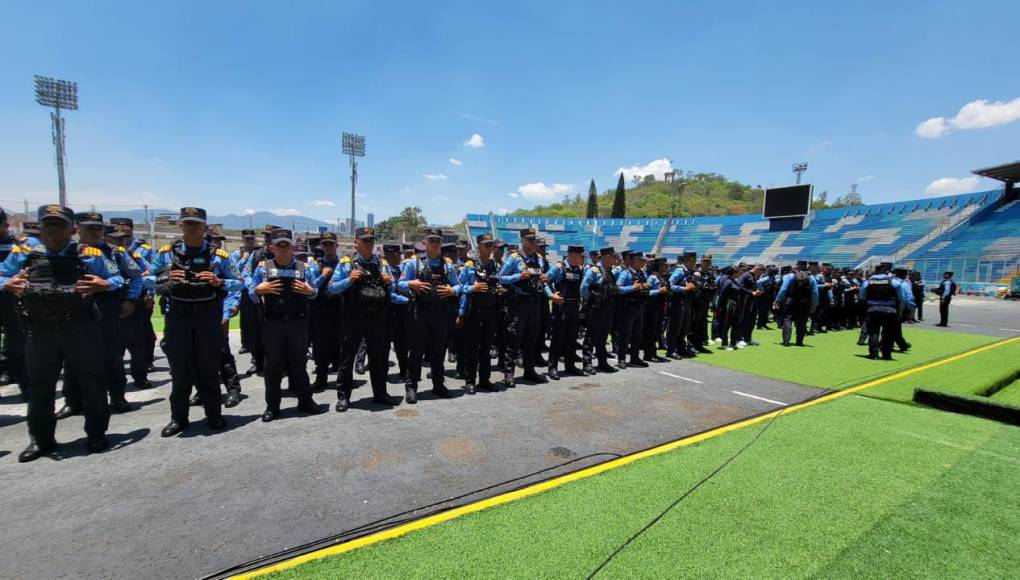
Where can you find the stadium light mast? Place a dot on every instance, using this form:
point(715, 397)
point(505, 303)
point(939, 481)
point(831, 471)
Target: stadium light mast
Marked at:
point(354, 147)
point(799, 169)
point(59, 95)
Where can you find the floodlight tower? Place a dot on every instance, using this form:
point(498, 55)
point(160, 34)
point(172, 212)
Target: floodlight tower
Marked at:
point(353, 147)
point(59, 95)
point(799, 169)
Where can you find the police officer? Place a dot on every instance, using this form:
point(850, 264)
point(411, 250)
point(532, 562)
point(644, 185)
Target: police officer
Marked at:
point(112, 306)
point(30, 234)
point(945, 291)
point(139, 335)
point(747, 284)
point(281, 286)
point(795, 301)
point(431, 281)
point(57, 281)
point(480, 303)
point(13, 338)
point(598, 291)
point(881, 293)
point(657, 274)
point(194, 278)
point(564, 289)
point(631, 284)
point(366, 282)
point(325, 322)
point(681, 316)
point(396, 324)
point(703, 279)
point(259, 255)
point(522, 274)
point(239, 258)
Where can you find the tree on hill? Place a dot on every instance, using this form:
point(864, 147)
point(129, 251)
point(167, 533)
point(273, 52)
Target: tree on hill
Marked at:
point(408, 222)
point(620, 199)
point(593, 201)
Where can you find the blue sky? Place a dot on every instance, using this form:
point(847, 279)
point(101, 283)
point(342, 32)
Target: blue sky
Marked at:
point(240, 106)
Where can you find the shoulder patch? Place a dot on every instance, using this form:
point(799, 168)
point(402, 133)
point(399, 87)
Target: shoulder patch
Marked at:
point(165, 249)
point(146, 247)
point(17, 249)
point(136, 256)
point(121, 249)
point(39, 248)
point(515, 255)
point(384, 262)
point(222, 253)
point(469, 264)
point(345, 260)
point(448, 260)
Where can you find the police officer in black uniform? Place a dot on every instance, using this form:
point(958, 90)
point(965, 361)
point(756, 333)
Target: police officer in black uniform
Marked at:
point(194, 278)
point(523, 274)
point(13, 350)
point(258, 350)
point(564, 289)
point(795, 301)
point(325, 323)
point(598, 290)
point(881, 294)
point(365, 281)
point(480, 302)
point(57, 281)
point(281, 286)
point(396, 324)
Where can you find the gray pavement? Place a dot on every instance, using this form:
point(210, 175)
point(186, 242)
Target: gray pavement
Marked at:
point(976, 315)
point(192, 505)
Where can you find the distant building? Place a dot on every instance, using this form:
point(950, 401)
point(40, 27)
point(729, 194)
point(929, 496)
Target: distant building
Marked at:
point(371, 220)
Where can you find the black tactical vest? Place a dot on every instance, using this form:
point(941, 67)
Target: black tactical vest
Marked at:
point(191, 290)
point(369, 293)
point(287, 302)
point(51, 294)
point(801, 286)
point(119, 293)
point(434, 277)
point(489, 274)
point(533, 285)
point(570, 285)
point(639, 276)
point(881, 291)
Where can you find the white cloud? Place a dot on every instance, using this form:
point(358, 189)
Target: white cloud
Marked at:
point(286, 211)
point(322, 203)
point(542, 191)
point(658, 168)
point(456, 161)
point(476, 141)
point(974, 115)
point(951, 185)
point(406, 190)
point(819, 147)
point(434, 176)
point(865, 178)
point(248, 211)
point(932, 128)
point(513, 194)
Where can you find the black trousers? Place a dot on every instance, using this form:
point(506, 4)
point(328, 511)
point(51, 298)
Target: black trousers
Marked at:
point(795, 313)
point(881, 330)
point(747, 316)
point(427, 329)
point(255, 344)
point(13, 337)
point(48, 346)
point(566, 322)
point(600, 322)
point(326, 335)
point(398, 314)
point(679, 324)
point(246, 309)
point(652, 328)
point(134, 331)
point(943, 310)
point(228, 365)
point(113, 377)
point(728, 316)
point(763, 303)
point(371, 327)
point(523, 323)
point(628, 320)
point(286, 342)
point(194, 341)
point(481, 325)
point(698, 334)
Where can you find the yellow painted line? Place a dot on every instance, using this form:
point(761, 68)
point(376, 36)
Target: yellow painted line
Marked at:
point(595, 469)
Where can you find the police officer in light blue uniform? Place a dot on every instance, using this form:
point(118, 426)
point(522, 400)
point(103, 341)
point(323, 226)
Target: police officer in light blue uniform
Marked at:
point(522, 274)
point(885, 297)
point(598, 291)
point(57, 282)
point(796, 300)
point(12, 336)
point(194, 277)
point(681, 293)
point(945, 291)
point(480, 301)
point(631, 286)
point(138, 333)
point(564, 289)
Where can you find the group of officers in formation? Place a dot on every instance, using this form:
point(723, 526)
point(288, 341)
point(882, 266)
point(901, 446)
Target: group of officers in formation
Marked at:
point(77, 306)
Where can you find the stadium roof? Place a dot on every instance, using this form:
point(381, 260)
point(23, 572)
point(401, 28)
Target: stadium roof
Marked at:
point(1008, 172)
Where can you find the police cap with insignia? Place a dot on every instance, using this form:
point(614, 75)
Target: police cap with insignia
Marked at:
point(463, 244)
point(575, 249)
point(406, 247)
point(529, 234)
point(815, 264)
point(300, 253)
point(280, 235)
point(192, 214)
point(54, 211)
point(484, 239)
point(900, 271)
point(246, 234)
point(115, 231)
point(433, 234)
point(30, 227)
point(649, 256)
point(268, 229)
point(802, 264)
point(542, 243)
point(88, 218)
point(327, 237)
point(365, 233)
point(419, 247)
point(625, 254)
point(449, 248)
point(607, 251)
point(391, 248)
point(122, 221)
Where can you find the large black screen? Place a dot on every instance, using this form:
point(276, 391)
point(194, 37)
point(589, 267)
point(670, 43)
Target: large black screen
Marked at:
point(792, 200)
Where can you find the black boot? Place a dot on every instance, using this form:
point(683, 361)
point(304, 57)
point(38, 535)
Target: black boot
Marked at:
point(320, 383)
point(269, 415)
point(35, 451)
point(411, 394)
point(67, 411)
point(342, 405)
point(553, 374)
point(308, 407)
point(120, 405)
point(469, 388)
point(233, 397)
point(442, 392)
point(174, 427)
point(386, 399)
point(97, 443)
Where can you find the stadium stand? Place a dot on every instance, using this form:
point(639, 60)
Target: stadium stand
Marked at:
point(975, 234)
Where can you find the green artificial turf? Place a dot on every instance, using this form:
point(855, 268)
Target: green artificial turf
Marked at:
point(1009, 394)
point(854, 487)
point(833, 360)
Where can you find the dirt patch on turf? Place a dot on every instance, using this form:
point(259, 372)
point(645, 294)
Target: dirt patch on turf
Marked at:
point(462, 450)
point(406, 413)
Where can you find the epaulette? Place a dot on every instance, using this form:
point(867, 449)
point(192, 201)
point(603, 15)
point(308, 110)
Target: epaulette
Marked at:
point(136, 256)
point(90, 251)
point(515, 255)
point(121, 249)
point(469, 264)
point(17, 249)
point(39, 248)
point(345, 260)
point(165, 249)
point(385, 263)
point(312, 260)
point(222, 253)
point(146, 247)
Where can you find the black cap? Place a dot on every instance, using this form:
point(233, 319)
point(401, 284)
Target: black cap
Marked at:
point(327, 237)
point(88, 218)
point(123, 221)
point(301, 252)
point(365, 233)
point(30, 227)
point(500, 243)
point(542, 243)
point(484, 239)
point(575, 249)
point(801, 264)
point(449, 248)
point(406, 247)
point(281, 235)
point(607, 251)
point(826, 265)
point(55, 211)
point(649, 256)
point(192, 214)
point(886, 265)
point(391, 248)
point(268, 229)
point(689, 255)
point(115, 231)
point(463, 244)
point(785, 270)
point(529, 233)
point(947, 273)
point(245, 233)
point(812, 264)
point(433, 233)
point(900, 271)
